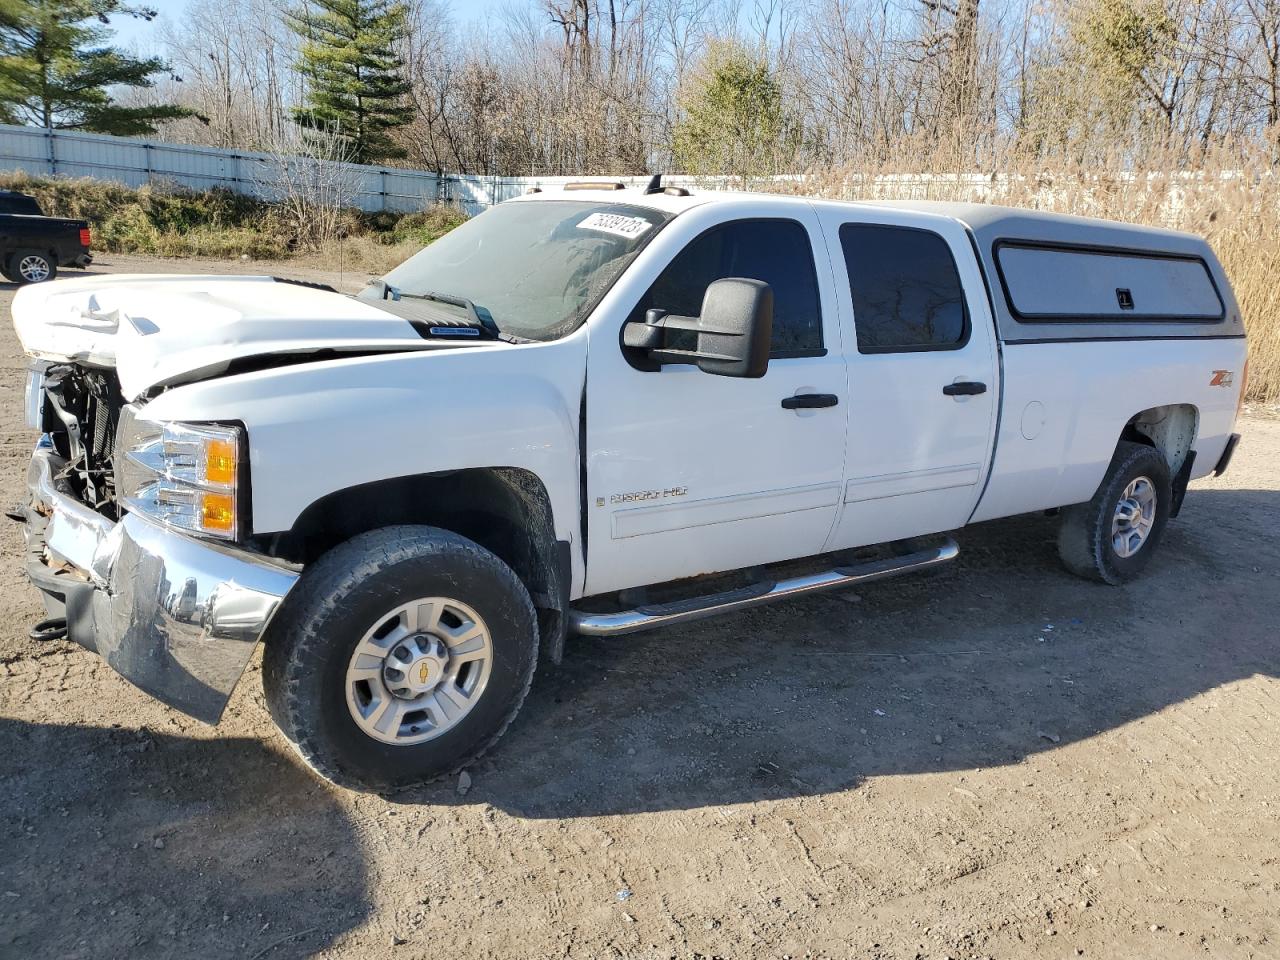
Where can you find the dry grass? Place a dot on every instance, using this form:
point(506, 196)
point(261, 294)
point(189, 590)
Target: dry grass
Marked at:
point(363, 254)
point(1231, 198)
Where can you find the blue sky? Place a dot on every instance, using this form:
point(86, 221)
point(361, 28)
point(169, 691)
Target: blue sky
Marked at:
point(133, 32)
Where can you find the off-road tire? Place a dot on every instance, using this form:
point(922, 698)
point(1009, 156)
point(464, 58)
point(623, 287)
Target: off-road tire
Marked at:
point(339, 597)
point(13, 274)
point(1084, 538)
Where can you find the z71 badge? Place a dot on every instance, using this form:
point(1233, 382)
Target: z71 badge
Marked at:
point(643, 496)
point(1221, 378)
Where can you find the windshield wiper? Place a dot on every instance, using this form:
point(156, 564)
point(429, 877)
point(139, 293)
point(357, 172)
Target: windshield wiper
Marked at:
point(480, 324)
point(453, 301)
point(483, 322)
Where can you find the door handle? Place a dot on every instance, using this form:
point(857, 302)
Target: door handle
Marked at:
point(965, 388)
point(804, 401)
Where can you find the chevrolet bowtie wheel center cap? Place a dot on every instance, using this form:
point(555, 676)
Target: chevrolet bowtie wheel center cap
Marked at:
point(415, 665)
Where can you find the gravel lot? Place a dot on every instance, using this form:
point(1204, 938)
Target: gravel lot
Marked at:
point(995, 761)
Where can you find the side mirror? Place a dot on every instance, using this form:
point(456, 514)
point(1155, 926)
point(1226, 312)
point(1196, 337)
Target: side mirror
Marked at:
point(733, 331)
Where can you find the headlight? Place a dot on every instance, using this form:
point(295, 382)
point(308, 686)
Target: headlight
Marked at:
point(184, 475)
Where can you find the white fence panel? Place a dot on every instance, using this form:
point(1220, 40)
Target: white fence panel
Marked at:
point(136, 162)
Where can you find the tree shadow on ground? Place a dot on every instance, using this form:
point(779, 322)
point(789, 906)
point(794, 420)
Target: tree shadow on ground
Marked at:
point(127, 843)
point(998, 657)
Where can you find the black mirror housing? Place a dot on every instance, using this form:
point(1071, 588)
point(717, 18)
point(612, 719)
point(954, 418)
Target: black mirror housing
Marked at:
point(733, 331)
point(735, 328)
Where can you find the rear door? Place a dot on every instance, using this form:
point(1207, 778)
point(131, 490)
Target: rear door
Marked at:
point(691, 473)
point(923, 373)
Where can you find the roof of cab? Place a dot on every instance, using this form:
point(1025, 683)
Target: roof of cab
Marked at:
point(990, 226)
point(988, 222)
point(635, 197)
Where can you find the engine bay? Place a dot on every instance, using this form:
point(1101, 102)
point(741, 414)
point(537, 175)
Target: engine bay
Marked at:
point(81, 414)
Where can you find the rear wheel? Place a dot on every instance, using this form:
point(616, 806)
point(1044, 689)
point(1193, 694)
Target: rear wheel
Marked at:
point(400, 656)
point(30, 266)
point(1112, 537)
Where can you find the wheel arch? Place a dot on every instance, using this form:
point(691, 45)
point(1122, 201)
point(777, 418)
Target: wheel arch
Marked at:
point(506, 510)
point(1172, 429)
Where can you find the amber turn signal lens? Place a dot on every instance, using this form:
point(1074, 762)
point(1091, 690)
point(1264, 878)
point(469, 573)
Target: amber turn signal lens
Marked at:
point(218, 512)
point(220, 462)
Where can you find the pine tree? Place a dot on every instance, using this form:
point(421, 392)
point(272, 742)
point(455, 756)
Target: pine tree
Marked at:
point(355, 77)
point(56, 67)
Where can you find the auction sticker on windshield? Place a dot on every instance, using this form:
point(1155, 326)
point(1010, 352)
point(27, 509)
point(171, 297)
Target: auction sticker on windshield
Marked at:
point(617, 224)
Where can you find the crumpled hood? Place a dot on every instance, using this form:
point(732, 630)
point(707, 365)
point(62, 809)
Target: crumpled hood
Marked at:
point(158, 330)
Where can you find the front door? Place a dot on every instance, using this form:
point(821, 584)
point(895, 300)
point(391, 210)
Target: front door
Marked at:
point(691, 473)
point(923, 373)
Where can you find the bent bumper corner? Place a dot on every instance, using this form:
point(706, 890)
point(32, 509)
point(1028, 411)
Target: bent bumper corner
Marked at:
point(177, 617)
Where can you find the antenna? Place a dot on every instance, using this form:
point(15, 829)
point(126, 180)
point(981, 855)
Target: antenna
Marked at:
point(655, 184)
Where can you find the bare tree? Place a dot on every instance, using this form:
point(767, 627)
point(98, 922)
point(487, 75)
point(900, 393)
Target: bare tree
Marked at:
point(592, 86)
point(234, 60)
point(309, 179)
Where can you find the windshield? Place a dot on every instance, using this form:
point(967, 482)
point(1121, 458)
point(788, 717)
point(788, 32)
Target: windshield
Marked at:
point(529, 269)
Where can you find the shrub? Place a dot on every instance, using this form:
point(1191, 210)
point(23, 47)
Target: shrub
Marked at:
point(425, 227)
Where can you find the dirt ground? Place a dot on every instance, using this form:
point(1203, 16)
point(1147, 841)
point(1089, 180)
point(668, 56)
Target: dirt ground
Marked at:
point(997, 760)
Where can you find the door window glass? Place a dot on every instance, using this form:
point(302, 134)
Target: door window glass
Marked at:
point(777, 252)
point(905, 288)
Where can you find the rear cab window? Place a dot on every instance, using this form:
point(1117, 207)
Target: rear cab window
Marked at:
point(905, 288)
point(19, 204)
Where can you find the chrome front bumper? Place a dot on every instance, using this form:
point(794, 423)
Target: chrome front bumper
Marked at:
point(175, 616)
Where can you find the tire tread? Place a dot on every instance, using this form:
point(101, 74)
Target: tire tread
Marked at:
point(295, 644)
point(1082, 536)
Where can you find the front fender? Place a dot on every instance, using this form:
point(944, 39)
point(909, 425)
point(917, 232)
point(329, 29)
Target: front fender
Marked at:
point(317, 428)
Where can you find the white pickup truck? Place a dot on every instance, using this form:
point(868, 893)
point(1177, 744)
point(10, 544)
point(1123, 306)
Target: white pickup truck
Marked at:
point(593, 411)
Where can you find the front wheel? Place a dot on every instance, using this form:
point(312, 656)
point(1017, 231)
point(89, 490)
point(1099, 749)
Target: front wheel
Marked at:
point(400, 657)
point(1112, 537)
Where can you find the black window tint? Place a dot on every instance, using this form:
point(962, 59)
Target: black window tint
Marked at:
point(775, 251)
point(17, 203)
point(906, 290)
point(1065, 283)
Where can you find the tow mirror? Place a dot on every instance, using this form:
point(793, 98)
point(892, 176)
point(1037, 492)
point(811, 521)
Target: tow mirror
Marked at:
point(733, 331)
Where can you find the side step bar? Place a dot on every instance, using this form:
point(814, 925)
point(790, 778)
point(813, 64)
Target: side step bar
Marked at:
point(683, 611)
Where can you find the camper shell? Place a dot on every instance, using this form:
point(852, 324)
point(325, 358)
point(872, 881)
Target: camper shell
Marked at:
point(1059, 278)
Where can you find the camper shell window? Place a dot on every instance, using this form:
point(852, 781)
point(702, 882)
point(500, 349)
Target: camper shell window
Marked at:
point(1046, 283)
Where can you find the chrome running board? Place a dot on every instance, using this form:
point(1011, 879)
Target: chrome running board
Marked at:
point(683, 611)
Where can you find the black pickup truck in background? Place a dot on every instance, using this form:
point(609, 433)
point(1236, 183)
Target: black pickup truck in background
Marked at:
point(33, 246)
